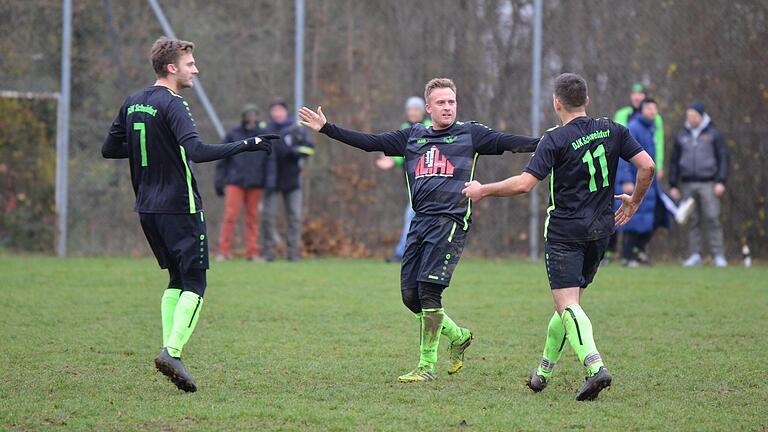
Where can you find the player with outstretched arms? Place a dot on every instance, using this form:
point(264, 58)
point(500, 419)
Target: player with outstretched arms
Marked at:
point(580, 159)
point(155, 131)
point(439, 159)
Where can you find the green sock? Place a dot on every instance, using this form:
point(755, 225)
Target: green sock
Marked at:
point(578, 328)
point(431, 324)
point(167, 307)
point(451, 330)
point(553, 347)
point(184, 321)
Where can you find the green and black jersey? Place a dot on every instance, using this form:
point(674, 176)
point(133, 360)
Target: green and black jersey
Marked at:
point(581, 159)
point(155, 130)
point(437, 162)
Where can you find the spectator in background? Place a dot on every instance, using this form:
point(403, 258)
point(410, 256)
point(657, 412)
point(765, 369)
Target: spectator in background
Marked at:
point(240, 178)
point(651, 214)
point(623, 117)
point(699, 169)
point(627, 113)
point(414, 113)
point(284, 180)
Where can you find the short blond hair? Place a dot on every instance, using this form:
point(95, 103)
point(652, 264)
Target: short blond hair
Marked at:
point(438, 83)
point(167, 51)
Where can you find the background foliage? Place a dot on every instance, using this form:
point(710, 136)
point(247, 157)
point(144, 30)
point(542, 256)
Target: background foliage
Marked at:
point(363, 58)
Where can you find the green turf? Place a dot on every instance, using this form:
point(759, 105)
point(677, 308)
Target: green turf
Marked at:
point(319, 345)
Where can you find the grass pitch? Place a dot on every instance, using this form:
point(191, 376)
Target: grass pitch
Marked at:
point(319, 345)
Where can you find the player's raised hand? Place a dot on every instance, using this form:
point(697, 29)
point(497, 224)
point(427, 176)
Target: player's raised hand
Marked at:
point(473, 190)
point(311, 119)
point(626, 210)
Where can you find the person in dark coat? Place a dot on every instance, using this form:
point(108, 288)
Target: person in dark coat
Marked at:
point(651, 214)
point(284, 180)
point(240, 179)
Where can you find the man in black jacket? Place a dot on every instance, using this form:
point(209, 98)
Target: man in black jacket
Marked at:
point(699, 169)
point(241, 178)
point(284, 180)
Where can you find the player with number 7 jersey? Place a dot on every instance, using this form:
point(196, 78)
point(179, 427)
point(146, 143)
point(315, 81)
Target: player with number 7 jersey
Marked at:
point(156, 132)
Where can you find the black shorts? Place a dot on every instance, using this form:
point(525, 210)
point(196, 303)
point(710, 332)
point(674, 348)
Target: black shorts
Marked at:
point(573, 264)
point(432, 250)
point(178, 240)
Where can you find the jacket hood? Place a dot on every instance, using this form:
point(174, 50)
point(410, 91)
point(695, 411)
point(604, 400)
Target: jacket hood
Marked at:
point(247, 108)
point(705, 122)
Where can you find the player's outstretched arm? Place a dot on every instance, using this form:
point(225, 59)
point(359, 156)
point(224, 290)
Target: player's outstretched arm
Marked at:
point(490, 142)
point(512, 186)
point(185, 131)
point(199, 152)
point(630, 203)
point(391, 143)
point(518, 143)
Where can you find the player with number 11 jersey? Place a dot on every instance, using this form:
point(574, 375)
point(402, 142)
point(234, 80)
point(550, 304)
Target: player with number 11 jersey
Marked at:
point(580, 159)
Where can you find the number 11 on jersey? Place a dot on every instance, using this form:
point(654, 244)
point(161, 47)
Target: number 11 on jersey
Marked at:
point(587, 159)
point(142, 141)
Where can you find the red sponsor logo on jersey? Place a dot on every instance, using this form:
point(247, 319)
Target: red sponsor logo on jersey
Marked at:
point(433, 163)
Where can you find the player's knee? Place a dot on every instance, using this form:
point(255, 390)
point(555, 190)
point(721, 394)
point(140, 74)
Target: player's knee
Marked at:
point(195, 281)
point(431, 295)
point(411, 299)
point(175, 280)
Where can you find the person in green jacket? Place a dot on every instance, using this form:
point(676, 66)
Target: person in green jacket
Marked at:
point(414, 113)
point(622, 117)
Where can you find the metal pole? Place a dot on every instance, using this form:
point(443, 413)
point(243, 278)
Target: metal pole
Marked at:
point(533, 249)
point(298, 83)
point(198, 85)
point(62, 131)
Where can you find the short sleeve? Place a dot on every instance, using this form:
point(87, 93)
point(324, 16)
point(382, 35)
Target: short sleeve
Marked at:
point(629, 146)
point(544, 159)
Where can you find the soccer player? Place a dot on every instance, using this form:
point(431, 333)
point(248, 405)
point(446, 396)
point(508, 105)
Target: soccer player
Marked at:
point(439, 159)
point(580, 158)
point(155, 131)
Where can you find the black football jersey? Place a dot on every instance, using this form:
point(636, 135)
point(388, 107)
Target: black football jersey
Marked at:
point(155, 123)
point(581, 159)
point(438, 162)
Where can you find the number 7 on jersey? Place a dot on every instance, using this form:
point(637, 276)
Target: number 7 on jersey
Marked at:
point(139, 126)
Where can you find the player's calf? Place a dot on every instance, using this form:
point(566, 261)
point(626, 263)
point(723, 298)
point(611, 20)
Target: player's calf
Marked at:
point(431, 322)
